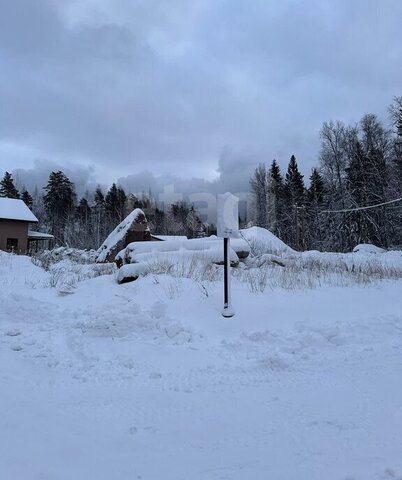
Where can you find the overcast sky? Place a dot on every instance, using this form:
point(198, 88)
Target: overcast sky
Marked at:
point(149, 91)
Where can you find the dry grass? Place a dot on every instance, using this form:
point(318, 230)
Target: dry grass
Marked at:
point(298, 272)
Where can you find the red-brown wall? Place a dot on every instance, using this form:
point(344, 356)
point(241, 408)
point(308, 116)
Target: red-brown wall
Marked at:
point(14, 229)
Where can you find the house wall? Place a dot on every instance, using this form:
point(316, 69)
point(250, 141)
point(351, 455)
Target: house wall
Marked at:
point(14, 229)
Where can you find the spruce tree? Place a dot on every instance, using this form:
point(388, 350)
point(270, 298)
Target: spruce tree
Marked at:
point(59, 203)
point(83, 212)
point(7, 187)
point(112, 207)
point(27, 198)
point(121, 203)
point(99, 198)
point(276, 196)
point(315, 221)
point(294, 195)
point(294, 183)
point(315, 192)
point(99, 217)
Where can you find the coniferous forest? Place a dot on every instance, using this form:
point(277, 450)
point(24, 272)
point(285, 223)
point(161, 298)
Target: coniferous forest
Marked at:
point(352, 196)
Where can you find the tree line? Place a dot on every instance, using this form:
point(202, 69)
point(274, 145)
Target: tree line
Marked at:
point(359, 166)
point(86, 222)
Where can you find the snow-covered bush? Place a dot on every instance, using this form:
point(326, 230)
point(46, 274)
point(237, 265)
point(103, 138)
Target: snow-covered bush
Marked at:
point(196, 268)
point(68, 274)
point(68, 266)
point(47, 258)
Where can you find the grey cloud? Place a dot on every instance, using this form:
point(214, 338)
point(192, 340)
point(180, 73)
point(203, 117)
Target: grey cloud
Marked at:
point(164, 87)
point(37, 176)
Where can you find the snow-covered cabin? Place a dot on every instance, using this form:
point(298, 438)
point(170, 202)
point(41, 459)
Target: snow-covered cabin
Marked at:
point(15, 218)
point(134, 228)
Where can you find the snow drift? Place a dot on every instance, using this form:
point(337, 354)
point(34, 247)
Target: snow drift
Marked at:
point(263, 241)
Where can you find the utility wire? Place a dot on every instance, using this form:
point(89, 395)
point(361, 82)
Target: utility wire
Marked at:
point(361, 208)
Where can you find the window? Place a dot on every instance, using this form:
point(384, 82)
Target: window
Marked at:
point(12, 244)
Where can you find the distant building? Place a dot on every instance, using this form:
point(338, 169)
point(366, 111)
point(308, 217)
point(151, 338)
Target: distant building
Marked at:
point(134, 228)
point(15, 236)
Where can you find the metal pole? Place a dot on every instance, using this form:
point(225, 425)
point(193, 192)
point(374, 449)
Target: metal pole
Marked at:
point(227, 306)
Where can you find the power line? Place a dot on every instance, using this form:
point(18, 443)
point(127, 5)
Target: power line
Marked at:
point(362, 208)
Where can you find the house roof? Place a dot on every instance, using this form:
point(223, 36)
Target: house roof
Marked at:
point(39, 235)
point(13, 209)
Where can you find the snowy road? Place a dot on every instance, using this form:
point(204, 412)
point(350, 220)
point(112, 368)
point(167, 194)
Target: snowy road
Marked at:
point(147, 381)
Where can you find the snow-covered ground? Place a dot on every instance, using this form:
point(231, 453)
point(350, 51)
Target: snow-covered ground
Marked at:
point(147, 380)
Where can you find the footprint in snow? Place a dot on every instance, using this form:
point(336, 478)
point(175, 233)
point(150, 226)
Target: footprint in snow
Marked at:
point(13, 333)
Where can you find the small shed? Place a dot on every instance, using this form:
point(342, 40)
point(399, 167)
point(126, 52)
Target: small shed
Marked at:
point(15, 218)
point(134, 228)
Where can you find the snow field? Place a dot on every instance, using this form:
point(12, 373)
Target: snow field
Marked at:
point(147, 380)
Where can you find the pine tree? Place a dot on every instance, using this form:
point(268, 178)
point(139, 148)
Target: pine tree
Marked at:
point(7, 187)
point(276, 200)
point(99, 198)
point(84, 231)
point(112, 207)
point(315, 199)
point(83, 212)
point(315, 193)
point(121, 204)
point(294, 183)
point(99, 217)
point(294, 195)
point(27, 198)
point(59, 203)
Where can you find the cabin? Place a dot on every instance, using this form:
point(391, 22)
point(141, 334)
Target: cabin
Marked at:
point(15, 233)
point(134, 228)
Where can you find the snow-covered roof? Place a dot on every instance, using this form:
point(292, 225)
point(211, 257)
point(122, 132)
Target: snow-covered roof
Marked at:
point(39, 235)
point(117, 235)
point(170, 237)
point(14, 209)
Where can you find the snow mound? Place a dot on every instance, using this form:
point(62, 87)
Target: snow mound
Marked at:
point(263, 241)
point(18, 271)
point(115, 241)
point(368, 248)
point(208, 249)
point(130, 272)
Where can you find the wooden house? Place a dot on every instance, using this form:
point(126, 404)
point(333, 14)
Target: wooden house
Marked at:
point(15, 235)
